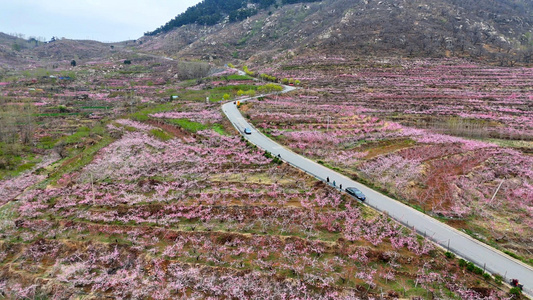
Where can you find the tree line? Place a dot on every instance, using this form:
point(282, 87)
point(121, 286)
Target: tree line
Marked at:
point(211, 12)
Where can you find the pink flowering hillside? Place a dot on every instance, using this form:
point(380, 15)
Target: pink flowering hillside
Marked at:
point(121, 191)
point(449, 138)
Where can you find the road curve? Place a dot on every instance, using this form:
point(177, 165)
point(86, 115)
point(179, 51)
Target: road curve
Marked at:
point(484, 256)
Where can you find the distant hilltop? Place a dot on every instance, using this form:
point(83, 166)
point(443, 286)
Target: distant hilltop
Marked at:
point(499, 31)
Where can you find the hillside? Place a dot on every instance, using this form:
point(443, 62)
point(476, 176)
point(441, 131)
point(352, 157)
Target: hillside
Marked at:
point(122, 178)
point(110, 189)
point(71, 49)
point(10, 48)
point(18, 53)
point(211, 12)
point(496, 30)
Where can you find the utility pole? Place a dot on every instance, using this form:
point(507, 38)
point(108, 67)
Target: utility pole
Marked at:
point(92, 187)
point(496, 192)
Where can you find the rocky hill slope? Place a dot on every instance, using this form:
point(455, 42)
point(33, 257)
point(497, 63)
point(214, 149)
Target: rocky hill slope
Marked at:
point(19, 53)
point(500, 31)
point(497, 31)
point(10, 46)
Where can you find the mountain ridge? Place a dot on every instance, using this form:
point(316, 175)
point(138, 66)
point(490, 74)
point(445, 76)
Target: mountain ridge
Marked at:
point(499, 31)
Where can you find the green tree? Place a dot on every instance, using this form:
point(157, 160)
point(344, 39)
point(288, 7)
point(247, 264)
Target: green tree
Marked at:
point(247, 71)
point(16, 47)
point(270, 87)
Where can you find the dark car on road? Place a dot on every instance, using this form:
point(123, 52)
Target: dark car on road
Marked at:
point(247, 130)
point(356, 193)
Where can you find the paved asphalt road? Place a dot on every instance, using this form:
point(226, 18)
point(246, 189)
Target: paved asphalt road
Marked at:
point(459, 243)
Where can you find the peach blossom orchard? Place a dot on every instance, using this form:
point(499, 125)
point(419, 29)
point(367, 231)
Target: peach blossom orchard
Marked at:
point(206, 185)
point(385, 126)
point(167, 201)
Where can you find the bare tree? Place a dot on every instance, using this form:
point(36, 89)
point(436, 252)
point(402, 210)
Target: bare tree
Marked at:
point(192, 70)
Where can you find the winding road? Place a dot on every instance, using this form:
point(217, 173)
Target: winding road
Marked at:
point(484, 256)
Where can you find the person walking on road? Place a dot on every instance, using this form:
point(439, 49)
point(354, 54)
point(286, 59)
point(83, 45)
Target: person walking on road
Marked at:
point(327, 179)
point(333, 182)
point(340, 186)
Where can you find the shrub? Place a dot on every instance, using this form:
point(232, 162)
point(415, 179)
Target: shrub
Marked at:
point(270, 87)
point(516, 291)
point(513, 255)
point(16, 47)
point(478, 271)
point(498, 279)
point(449, 255)
point(247, 71)
point(462, 263)
point(63, 109)
point(470, 266)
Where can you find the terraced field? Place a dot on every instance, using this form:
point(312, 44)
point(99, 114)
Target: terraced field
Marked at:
point(165, 200)
point(450, 138)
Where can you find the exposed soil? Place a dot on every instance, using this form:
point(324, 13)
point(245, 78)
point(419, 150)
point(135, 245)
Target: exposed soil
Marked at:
point(438, 195)
point(174, 130)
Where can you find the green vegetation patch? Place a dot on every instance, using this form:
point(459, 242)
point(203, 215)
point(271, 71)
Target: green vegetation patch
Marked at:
point(78, 136)
point(60, 114)
point(135, 70)
point(143, 114)
point(96, 107)
point(188, 125)
point(219, 129)
point(237, 77)
point(82, 133)
point(78, 161)
point(243, 87)
point(8, 214)
point(161, 134)
point(14, 159)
